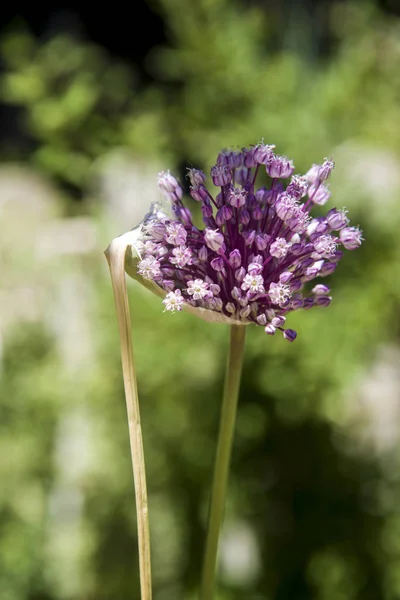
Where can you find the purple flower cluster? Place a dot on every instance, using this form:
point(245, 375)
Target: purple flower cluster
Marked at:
point(259, 248)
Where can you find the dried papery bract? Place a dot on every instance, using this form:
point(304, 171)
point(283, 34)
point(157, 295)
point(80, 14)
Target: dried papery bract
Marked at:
point(115, 255)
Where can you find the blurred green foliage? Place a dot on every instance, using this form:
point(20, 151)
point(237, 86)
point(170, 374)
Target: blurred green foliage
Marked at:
point(216, 81)
point(79, 103)
point(321, 504)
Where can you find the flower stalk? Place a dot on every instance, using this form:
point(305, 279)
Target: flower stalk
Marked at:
point(115, 255)
point(222, 461)
point(252, 263)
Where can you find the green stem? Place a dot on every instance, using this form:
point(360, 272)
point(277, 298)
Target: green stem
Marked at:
point(222, 461)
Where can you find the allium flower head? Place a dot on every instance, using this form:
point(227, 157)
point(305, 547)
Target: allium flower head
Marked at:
point(259, 248)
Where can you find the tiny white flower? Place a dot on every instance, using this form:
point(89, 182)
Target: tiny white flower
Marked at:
point(279, 293)
point(176, 234)
point(253, 283)
point(279, 248)
point(149, 268)
point(199, 289)
point(182, 256)
point(326, 245)
point(173, 301)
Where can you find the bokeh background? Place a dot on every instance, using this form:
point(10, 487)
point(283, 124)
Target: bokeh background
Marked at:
point(94, 102)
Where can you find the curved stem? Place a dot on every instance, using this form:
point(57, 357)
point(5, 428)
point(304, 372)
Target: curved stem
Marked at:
point(222, 461)
point(115, 255)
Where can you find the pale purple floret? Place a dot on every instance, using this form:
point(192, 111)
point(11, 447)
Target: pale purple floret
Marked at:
point(259, 248)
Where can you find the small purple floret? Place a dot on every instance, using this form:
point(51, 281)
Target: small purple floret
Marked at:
point(280, 166)
point(290, 335)
point(259, 249)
